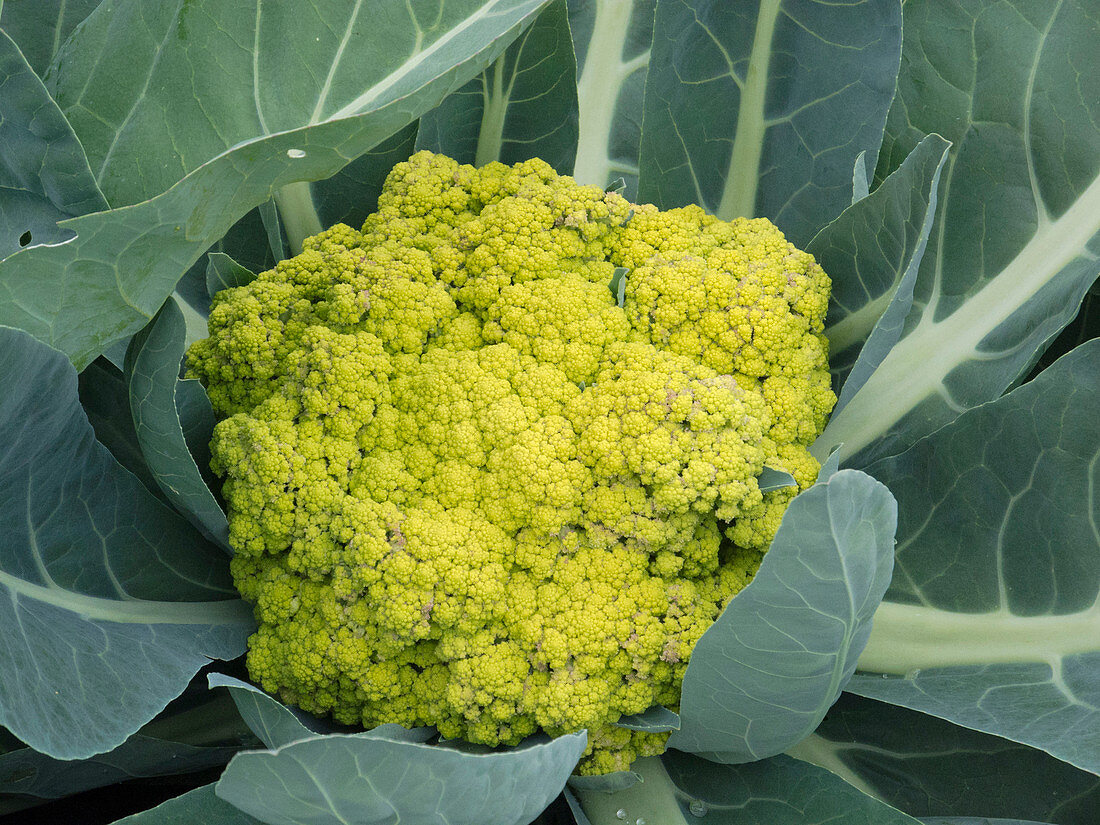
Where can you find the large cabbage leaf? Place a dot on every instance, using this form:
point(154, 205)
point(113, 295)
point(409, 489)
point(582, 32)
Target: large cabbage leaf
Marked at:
point(41, 26)
point(106, 591)
point(763, 675)
point(275, 94)
point(874, 249)
point(681, 788)
point(929, 767)
point(612, 40)
point(993, 616)
point(1015, 86)
point(522, 106)
point(156, 396)
point(761, 108)
point(44, 176)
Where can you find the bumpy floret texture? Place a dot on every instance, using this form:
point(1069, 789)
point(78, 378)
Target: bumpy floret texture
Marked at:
point(468, 488)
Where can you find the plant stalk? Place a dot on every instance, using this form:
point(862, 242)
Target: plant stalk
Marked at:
point(653, 801)
point(295, 202)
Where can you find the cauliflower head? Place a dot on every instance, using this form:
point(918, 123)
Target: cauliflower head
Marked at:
point(470, 488)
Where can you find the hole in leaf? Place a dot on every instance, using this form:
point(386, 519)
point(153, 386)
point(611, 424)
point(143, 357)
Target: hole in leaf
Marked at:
point(25, 238)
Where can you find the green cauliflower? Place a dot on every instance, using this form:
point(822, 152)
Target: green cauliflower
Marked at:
point(468, 489)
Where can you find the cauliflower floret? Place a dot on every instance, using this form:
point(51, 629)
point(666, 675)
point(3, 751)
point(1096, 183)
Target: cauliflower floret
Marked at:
point(467, 489)
point(566, 321)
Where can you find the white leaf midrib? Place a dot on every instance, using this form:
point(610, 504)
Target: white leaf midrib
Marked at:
point(916, 367)
point(129, 611)
point(906, 637)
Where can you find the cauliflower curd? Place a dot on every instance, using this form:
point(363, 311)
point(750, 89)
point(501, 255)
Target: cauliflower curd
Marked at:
point(468, 489)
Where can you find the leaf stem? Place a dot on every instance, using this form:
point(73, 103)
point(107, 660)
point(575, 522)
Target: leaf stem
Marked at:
point(490, 138)
point(739, 193)
point(599, 87)
point(653, 801)
point(295, 202)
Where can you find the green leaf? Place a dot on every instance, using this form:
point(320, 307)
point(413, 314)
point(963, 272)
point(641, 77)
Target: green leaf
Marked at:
point(523, 106)
point(604, 783)
point(776, 791)
point(373, 779)
point(829, 466)
point(209, 734)
point(317, 110)
point(44, 176)
point(1013, 249)
point(351, 194)
point(152, 374)
point(273, 722)
point(772, 479)
point(764, 674)
point(222, 272)
point(618, 284)
point(872, 252)
point(861, 187)
point(276, 238)
point(656, 719)
point(1084, 327)
point(106, 402)
point(107, 592)
point(612, 41)
point(41, 26)
point(1005, 637)
point(302, 67)
point(929, 767)
point(760, 108)
point(200, 805)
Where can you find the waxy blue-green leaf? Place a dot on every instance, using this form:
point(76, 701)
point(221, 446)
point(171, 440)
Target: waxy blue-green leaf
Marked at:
point(772, 479)
point(656, 719)
point(361, 780)
point(680, 789)
point(1084, 327)
point(604, 782)
point(106, 402)
point(277, 244)
point(272, 721)
point(351, 194)
point(106, 592)
point(927, 766)
point(259, 117)
point(1015, 87)
point(764, 674)
point(44, 176)
point(760, 107)
point(200, 805)
point(276, 68)
point(198, 737)
point(612, 40)
point(523, 106)
point(222, 272)
point(41, 26)
point(152, 375)
point(1004, 637)
point(872, 252)
point(861, 185)
point(776, 791)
